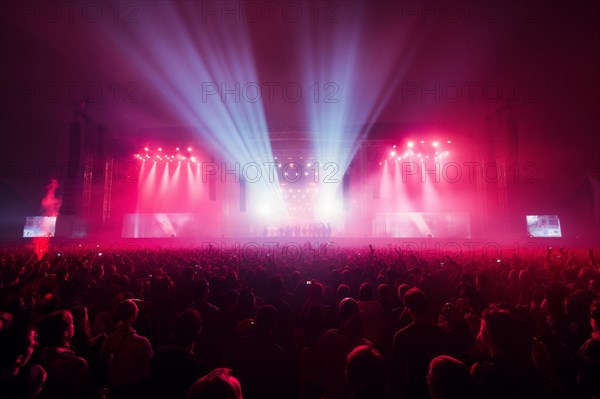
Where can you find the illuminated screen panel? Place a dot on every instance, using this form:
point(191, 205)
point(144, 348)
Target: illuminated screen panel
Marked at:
point(166, 225)
point(39, 226)
point(422, 224)
point(543, 226)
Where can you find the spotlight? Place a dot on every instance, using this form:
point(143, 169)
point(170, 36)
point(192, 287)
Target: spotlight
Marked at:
point(410, 144)
point(394, 146)
point(435, 143)
point(146, 148)
point(449, 141)
point(393, 153)
point(189, 148)
point(422, 141)
point(177, 149)
point(159, 149)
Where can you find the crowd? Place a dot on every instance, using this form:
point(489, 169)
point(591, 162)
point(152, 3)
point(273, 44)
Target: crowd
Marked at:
point(359, 323)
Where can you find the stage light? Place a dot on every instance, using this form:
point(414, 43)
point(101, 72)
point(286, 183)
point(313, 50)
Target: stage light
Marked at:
point(394, 146)
point(449, 141)
point(237, 130)
point(159, 149)
point(177, 149)
point(146, 148)
point(393, 153)
point(308, 165)
point(410, 144)
point(422, 141)
point(435, 143)
point(380, 163)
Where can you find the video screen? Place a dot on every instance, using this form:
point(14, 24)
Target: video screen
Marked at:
point(422, 224)
point(543, 226)
point(39, 226)
point(167, 225)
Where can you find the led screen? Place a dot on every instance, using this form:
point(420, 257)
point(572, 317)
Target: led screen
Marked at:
point(543, 226)
point(422, 224)
point(39, 226)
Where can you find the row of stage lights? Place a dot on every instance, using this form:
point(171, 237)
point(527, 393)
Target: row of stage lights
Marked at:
point(418, 152)
point(299, 194)
point(180, 156)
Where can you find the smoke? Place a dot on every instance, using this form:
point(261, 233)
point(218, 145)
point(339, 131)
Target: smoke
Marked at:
point(50, 207)
point(50, 203)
